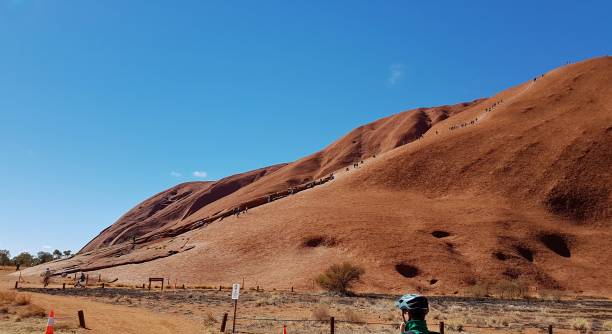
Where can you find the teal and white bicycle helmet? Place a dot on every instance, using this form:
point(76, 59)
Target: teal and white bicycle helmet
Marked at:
point(412, 301)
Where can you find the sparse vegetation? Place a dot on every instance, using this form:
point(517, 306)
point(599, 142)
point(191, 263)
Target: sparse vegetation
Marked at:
point(454, 325)
point(339, 278)
point(21, 300)
point(550, 294)
point(352, 316)
point(19, 305)
point(580, 324)
point(507, 289)
point(209, 319)
point(31, 311)
point(320, 312)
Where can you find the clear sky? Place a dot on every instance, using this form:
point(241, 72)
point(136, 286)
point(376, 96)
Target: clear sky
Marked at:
point(104, 103)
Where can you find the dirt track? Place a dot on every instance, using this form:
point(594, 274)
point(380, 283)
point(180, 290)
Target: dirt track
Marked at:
point(459, 313)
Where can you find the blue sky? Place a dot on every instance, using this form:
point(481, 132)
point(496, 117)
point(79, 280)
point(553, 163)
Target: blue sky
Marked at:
point(104, 103)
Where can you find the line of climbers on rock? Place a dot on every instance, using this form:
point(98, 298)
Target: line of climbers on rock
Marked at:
point(474, 121)
point(244, 207)
point(241, 208)
point(356, 164)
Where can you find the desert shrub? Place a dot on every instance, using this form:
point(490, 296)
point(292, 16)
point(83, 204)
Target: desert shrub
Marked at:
point(22, 300)
point(549, 294)
point(508, 289)
point(339, 278)
point(454, 325)
point(31, 311)
point(7, 297)
point(209, 319)
point(479, 290)
point(511, 289)
point(607, 325)
point(64, 326)
point(320, 312)
point(580, 324)
point(352, 316)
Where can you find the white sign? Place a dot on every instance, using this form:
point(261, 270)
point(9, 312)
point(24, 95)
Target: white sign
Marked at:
point(235, 291)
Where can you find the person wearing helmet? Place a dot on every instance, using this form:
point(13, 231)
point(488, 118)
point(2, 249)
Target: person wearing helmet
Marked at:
point(414, 308)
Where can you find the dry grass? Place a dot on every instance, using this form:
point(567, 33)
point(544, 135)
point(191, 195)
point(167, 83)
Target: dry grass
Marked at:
point(19, 307)
point(320, 312)
point(454, 325)
point(12, 298)
point(210, 319)
point(352, 316)
point(580, 324)
point(31, 311)
point(513, 289)
point(22, 300)
point(549, 294)
point(7, 297)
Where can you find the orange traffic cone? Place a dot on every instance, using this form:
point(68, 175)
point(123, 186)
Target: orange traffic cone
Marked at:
point(50, 323)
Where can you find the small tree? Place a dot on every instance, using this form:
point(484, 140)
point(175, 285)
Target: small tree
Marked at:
point(339, 278)
point(57, 254)
point(67, 253)
point(24, 259)
point(5, 257)
point(43, 257)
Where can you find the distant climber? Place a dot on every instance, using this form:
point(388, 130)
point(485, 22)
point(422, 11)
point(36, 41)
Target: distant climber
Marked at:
point(81, 282)
point(46, 277)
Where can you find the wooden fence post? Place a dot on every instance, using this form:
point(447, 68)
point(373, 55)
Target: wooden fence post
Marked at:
point(16, 285)
point(102, 285)
point(63, 286)
point(143, 286)
point(441, 327)
point(550, 331)
point(331, 325)
point(223, 322)
point(81, 319)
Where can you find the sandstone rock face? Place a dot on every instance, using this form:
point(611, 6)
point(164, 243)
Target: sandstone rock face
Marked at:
point(512, 187)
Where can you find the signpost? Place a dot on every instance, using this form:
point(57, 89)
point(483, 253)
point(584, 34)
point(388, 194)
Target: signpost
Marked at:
point(235, 296)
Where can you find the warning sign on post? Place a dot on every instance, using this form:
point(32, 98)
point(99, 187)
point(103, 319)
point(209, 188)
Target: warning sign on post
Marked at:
point(235, 291)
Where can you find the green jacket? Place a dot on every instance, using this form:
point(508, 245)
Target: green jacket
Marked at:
point(416, 327)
